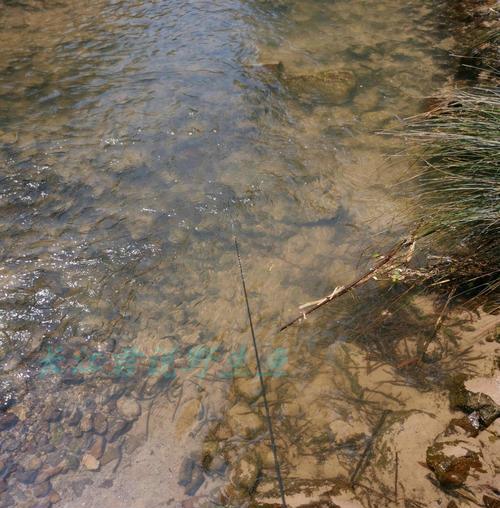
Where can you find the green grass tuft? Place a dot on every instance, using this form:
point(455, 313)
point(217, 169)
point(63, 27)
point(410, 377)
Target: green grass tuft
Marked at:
point(458, 193)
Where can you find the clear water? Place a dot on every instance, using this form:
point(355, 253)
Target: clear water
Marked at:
point(136, 137)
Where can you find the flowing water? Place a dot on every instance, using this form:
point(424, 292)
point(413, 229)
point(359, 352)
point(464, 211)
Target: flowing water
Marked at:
point(135, 138)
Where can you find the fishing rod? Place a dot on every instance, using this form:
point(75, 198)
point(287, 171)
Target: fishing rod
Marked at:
point(261, 378)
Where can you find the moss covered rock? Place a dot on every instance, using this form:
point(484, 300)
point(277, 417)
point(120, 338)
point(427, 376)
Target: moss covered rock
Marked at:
point(333, 86)
point(452, 462)
point(467, 395)
point(244, 422)
point(245, 473)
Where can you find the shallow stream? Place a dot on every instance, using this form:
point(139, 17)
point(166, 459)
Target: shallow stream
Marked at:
point(135, 138)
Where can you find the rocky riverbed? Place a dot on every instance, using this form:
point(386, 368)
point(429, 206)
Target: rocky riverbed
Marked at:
point(126, 373)
point(352, 430)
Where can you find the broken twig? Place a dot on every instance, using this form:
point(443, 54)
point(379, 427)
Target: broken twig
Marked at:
point(341, 290)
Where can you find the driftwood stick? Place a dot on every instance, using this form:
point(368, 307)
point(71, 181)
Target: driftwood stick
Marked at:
point(341, 290)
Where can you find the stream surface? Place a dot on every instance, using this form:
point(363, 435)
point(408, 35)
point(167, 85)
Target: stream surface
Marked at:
point(135, 138)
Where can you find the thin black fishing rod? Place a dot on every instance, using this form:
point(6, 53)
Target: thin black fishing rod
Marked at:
point(262, 384)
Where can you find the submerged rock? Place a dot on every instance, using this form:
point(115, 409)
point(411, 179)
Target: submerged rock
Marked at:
point(100, 423)
point(54, 497)
point(453, 461)
point(367, 100)
point(196, 482)
point(52, 413)
point(98, 447)
point(462, 454)
point(48, 471)
point(42, 489)
point(275, 68)
point(248, 389)
point(86, 423)
point(107, 346)
point(480, 395)
point(9, 138)
point(118, 428)
point(471, 424)
point(26, 476)
point(112, 453)
point(32, 463)
point(245, 472)
point(90, 462)
point(74, 417)
point(7, 421)
point(218, 465)
point(244, 422)
point(266, 455)
point(333, 86)
point(208, 453)
point(373, 120)
point(128, 408)
point(190, 476)
point(189, 414)
point(186, 471)
point(7, 398)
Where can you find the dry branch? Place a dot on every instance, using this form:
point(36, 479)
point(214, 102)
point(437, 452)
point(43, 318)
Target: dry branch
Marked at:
point(341, 290)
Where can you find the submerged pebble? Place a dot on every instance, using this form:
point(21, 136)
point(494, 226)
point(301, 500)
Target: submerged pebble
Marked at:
point(90, 462)
point(128, 408)
point(97, 447)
